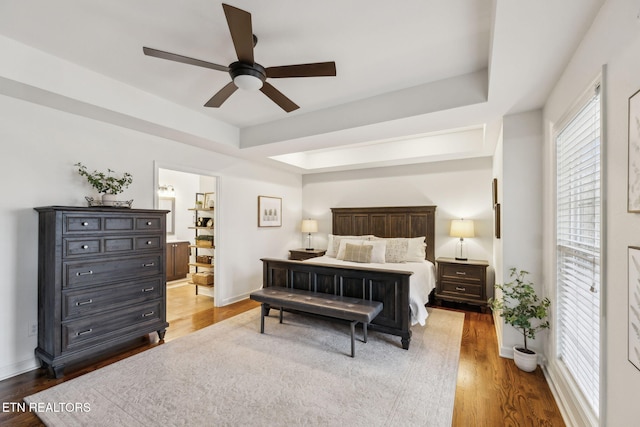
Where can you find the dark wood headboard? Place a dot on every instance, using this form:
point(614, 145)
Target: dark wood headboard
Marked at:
point(397, 221)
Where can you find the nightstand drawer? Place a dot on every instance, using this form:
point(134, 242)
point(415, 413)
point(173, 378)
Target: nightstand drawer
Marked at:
point(462, 289)
point(468, 273)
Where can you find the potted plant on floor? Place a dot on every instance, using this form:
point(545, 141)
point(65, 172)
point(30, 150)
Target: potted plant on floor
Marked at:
point(521, 308)
point(106, 184)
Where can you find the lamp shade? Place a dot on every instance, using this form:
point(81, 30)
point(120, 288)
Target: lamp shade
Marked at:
point(461, 228)
point(309, 226)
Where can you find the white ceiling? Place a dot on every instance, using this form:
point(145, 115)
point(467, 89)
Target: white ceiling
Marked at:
point(409, 73)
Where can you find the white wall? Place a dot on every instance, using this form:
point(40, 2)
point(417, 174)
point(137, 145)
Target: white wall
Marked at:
point(40, 145)
point(614, 40)
point(458, 188)
point(521, 203)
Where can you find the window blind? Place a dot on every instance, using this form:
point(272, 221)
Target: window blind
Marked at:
point(578, 248)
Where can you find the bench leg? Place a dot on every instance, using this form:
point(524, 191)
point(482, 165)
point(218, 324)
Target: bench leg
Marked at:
point(364, 331)
point(264, 310)
point(281, 314)
point(353, 343)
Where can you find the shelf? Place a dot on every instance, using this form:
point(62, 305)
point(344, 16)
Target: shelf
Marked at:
point(202, 209)
point(198, 284)
point(201, 264)
point(201, 228)
point(202, 247)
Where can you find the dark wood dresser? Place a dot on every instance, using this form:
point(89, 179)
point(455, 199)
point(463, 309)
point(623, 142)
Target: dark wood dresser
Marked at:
point(101, 280)
point(462, 281)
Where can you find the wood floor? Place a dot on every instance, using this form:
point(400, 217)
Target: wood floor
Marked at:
point(490, 392)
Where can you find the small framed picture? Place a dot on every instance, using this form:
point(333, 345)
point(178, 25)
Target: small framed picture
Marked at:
point(497, 220)
point(633, 186)
point(634, 306)
point(269, 211)
point(494, 188)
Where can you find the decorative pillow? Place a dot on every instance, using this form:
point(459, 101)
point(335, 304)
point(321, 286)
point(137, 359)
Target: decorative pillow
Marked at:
point(333, 243)
point(416, 248)
point(396, 250)
point(343, 245)
point(358, 253)
point(377, 254)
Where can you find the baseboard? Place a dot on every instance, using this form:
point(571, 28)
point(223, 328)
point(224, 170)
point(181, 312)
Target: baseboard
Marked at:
point(15, 369)
point(233, 299)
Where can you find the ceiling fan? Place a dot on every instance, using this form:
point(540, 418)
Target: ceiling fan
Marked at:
point(246, 73)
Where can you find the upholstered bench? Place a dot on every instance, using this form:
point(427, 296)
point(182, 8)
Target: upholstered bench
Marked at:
point(351, 309)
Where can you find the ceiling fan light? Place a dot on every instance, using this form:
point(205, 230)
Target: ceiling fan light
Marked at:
point(247, 82)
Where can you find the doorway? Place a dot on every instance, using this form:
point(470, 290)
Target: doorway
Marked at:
point(191, 196)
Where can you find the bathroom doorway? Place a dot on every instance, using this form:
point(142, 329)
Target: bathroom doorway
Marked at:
point(191, 196)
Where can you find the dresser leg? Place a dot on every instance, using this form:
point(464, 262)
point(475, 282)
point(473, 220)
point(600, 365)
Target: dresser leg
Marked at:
point(161, 334)
point(56, 371)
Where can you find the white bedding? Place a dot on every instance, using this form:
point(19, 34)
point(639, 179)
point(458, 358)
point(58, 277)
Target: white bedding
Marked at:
point(421, 282)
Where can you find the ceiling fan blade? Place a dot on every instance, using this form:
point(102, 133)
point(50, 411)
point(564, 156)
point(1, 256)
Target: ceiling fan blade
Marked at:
point(239, 22)
point(278, 97)
point(317, 69)
point(184, 59)
point(223, 94)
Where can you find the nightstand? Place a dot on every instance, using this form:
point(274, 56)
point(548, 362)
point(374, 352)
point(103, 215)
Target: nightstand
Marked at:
point(462, 281)
point(302, 254)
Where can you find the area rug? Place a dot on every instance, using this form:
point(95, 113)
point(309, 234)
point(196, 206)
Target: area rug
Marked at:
point(296, 373)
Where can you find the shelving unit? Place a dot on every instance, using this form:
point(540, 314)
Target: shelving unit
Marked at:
point(204, 229)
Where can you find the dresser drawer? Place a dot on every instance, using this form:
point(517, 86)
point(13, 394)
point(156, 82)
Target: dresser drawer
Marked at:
point(94, 272)
point(81, 302)
point(94, 329)
point(81, 247)
point(467, 290)
point(81, 223)
point(149, 223)
point(468, 273)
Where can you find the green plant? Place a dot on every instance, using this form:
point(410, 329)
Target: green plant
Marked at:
point(520, 306)
point(105, 183)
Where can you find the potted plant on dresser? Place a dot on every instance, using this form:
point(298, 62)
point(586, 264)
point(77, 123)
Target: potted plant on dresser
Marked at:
point(521, 308)
point(108, 185)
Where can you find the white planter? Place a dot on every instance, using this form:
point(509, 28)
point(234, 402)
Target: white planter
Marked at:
point(524, 361)
point(109, 199)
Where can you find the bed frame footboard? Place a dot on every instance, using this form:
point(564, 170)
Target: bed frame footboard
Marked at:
point(391, 287)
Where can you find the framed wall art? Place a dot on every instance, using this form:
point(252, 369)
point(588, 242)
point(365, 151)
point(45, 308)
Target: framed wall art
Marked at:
point(269, 211)
point(634, 154)
point(494, 191)
point(496, 222)
point(634, 306)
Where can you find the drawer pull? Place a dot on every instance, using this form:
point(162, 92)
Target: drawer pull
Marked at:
point(461, 273)
point(151, 313)
point(84, 224)
point(79, 303)
point(148, 242)
point(458, 288)
point(88, 331)
point(148, 222)
point(85, 246)
point(148, 289)
point(149, 264)
point(84, 273)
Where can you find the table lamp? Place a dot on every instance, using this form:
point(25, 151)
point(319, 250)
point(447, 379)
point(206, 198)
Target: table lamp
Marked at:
point(309, 226)
point(461, 228)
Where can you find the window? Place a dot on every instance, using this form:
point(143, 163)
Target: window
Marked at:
point(578, 248)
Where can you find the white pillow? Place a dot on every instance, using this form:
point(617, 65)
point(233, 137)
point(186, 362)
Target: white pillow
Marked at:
point(377, 253)
point(417, 250)
point(333, 243)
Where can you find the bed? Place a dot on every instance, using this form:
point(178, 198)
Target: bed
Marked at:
point(402, 287)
